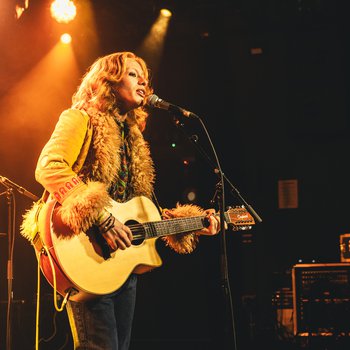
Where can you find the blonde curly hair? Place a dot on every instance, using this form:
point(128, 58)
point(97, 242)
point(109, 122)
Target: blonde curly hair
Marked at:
point(96, 91)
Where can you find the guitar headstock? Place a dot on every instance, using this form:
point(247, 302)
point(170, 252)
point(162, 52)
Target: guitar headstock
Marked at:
point(238, 218)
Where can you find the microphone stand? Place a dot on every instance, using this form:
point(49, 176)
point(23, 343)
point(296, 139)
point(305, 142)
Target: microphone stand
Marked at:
point(10, 184)
point(219, 196)
point(11, 203)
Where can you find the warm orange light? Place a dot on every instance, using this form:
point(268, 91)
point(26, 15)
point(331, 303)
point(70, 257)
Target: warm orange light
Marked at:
point(63, 11)
point(165, 13)
point(66, 38)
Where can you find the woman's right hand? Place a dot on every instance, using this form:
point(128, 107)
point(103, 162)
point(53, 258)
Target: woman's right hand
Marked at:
point(118, 236)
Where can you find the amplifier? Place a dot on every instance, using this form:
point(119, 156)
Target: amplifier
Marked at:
point(321, 299)
point(345, 247)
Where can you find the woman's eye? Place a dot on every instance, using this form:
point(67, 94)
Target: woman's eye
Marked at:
point(132, 74)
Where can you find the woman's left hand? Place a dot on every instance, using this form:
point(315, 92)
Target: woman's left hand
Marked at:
point(214, 224)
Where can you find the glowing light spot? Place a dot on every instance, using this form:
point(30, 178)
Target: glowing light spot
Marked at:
point(191, 196)
point(63, 11)
point(66, 38)
point(165, 13)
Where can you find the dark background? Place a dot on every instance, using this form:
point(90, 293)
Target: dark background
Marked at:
point(278, 115)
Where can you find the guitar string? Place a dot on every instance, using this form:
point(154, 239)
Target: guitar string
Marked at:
point(140, 230)
point(165, 222)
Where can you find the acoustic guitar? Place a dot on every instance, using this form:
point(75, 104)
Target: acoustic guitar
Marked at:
point(83, 265)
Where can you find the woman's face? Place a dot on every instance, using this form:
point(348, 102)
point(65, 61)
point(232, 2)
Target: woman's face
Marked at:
point(131, 90)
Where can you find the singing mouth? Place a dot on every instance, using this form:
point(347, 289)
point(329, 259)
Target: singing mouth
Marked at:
point(141, 93)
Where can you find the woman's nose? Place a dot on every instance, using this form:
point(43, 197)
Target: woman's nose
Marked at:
point(142, 81)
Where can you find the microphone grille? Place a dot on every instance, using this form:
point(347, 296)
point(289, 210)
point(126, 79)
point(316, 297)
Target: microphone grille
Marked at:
point(152, 100)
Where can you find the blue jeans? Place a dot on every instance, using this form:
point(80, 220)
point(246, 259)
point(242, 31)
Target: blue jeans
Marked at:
point(104, 323)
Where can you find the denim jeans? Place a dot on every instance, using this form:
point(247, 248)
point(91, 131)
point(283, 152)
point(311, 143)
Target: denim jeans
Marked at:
point(104, 323)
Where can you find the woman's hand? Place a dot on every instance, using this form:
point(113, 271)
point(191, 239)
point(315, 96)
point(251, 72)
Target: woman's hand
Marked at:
point(214, 224)
point(116, 234)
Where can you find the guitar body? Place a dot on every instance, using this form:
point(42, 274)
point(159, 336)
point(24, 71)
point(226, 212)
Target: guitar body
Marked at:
point(78, 259)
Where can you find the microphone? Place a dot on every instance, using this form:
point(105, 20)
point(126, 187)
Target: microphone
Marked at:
point(156, 102)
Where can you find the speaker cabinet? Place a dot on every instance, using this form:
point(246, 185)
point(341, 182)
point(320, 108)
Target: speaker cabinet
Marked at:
point(321, 299)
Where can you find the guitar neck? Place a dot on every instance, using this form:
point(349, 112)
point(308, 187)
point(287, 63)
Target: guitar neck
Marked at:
point(237, 217)
point(167, 227)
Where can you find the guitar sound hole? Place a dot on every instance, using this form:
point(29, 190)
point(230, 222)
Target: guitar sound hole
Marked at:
point(137, 231)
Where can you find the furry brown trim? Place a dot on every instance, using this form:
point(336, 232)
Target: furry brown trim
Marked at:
point(29, 225)
point(103, 161)
point(183, 243)
point(141, 167)
point(81, 210)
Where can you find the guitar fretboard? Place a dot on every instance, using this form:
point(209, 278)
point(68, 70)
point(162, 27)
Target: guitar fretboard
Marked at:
point(167, 227)
point(181, 225)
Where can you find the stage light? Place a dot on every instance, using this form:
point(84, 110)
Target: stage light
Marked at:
point(152, 46)
point(63, 11)
point(20, 8)
point(66, 38)
point(165, 13)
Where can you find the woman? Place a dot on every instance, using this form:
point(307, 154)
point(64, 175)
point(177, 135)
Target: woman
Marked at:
point(95, 153)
